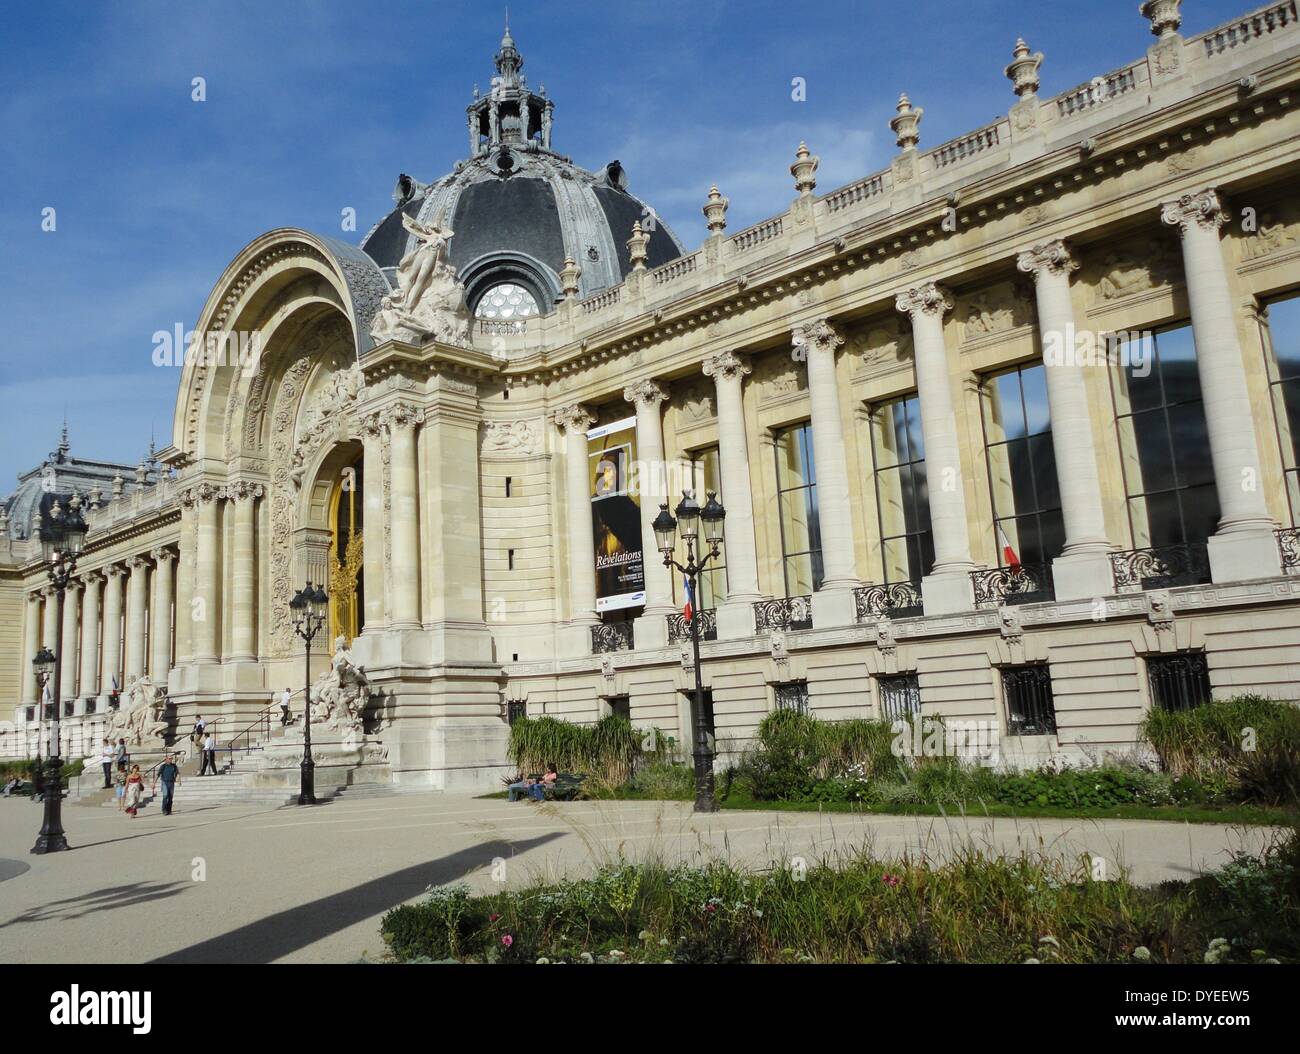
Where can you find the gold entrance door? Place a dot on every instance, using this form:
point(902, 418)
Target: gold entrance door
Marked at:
point(346, 584)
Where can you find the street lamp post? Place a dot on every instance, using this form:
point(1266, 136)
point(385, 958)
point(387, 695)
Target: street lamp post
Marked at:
point(309, 609)
point(43, 664)
point(62, 533)
point(689, 519)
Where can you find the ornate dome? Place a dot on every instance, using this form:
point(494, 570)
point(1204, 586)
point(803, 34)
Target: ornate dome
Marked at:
point(518, 208)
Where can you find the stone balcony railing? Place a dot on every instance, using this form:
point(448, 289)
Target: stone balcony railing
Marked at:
point(1265, 22)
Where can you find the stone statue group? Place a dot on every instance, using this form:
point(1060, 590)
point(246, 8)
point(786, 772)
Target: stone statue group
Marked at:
point(338, 701)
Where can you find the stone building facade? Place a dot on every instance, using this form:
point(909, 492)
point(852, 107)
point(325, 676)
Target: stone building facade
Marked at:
point(1006, 432)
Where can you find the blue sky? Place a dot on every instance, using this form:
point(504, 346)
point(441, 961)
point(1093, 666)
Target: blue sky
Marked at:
point(313, 107)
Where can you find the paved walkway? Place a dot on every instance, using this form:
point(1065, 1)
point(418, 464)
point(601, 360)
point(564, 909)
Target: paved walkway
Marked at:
point(258, 884)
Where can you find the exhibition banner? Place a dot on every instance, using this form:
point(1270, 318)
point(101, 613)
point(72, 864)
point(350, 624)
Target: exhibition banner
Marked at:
point(616, 516)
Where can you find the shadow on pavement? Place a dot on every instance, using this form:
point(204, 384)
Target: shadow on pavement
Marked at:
point(277, 935)
point(109, 899)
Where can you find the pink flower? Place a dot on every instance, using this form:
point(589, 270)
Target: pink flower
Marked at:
point(507, 940)
point(710, 908)
point(890, 880)
point(493, 918)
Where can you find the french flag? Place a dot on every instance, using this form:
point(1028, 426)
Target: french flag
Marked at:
point(1009, 556)
point(688, 609)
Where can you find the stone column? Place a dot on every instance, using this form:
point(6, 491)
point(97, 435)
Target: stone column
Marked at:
point(90, 636)
point(372, 554)
point(404, 531)
point(947, 588)
point(243, 600)
point(1244, 546)
point(646, 396)
point(205, 613)
point(1083, 568)
point(32, 643)
point(817, 343)
point(50, 620)
point(185, 580)
point(740, 546)
point(112, 668)
point(160, 612)
point(574, 421)
point(71, 640)
point(137, 599)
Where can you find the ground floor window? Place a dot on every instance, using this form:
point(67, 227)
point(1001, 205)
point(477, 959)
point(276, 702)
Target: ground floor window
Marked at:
point(900, 696)
point(1180, 681)
point(620, 706)
point(1031, 711)
point(516, 709)
point(792, 695)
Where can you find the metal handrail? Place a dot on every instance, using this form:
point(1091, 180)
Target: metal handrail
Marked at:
point(261, 722)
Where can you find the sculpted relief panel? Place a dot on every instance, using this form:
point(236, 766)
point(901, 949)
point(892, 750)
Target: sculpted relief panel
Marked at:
point(778, 375)
point(882, 345)
point(1275, 227)
point(997, 309)
point(1127, 270)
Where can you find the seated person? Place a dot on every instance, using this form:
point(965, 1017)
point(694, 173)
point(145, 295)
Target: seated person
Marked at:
point(520, 788)
point(11, 785)
point(537, 790)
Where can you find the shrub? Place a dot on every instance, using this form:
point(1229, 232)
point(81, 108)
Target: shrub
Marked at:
point(610, 751)
point(664, 779)
point(437, 928)
point(1210, 744)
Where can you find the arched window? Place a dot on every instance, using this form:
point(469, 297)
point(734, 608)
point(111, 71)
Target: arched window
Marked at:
point(506, 302)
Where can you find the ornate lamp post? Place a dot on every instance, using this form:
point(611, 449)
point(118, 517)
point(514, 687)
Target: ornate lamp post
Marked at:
point(310, 607)
point(689, 519)
point(62, 533)
point(43, 665)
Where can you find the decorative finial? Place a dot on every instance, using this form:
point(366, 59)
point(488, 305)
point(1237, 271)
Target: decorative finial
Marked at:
point(805, 164)
point(1023, 70)
point(569, 278)
point(1164, 15)
point(907, 123)
point(715, 211)
point(637, 247)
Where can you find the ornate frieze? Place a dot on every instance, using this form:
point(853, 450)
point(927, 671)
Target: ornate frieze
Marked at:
point(510, 437)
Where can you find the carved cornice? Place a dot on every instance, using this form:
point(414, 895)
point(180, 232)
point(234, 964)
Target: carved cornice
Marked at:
point(1202, 208)
point(645, 393)
point(819, 336)
point(571, 419)
point(926, 299)
point(1054, 258)
point(727, 365)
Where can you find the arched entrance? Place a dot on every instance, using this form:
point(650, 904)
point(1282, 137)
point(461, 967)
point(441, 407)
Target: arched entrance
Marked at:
point(346, 584)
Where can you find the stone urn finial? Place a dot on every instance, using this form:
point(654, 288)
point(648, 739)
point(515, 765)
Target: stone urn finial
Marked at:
point(1164, 15)
point(906, 124)
point(637, 247)
point(1023, 70)
point(569, 276)
point(805, 164)
point(118, 484)
point(715, 211)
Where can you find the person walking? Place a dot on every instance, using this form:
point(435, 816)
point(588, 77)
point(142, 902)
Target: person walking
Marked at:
point(170, 774)
point(285, 697)
point(119, 789)
point(121, 755)
point(196, 736)
point(209, 755)
point(134, 791)
point(106, 759)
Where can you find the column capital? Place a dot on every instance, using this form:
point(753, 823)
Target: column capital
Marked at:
point(1052, 257)
point(1202, 208)
point(401, 415)
point(75, 584)
point(647, 392)
point(114, 571)
point(821, 335)
point(243, 490)
point(201, 494)
point(138, 562)
point(726, 365)
point(571, 419)
point(162, 553)
point(93, 577)
point(927, 299)
point(35, 596)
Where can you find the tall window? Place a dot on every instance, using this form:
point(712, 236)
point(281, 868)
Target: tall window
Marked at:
point(706, 476)
point(1282, 341)
point(902, 494)
point(796, 485)
point(1022, 465)
point(1163, 440)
